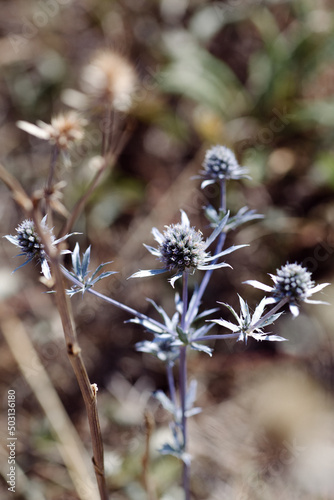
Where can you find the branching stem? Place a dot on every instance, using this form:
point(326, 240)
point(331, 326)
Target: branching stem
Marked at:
point(117, 304)
point(208, 274)
point(272, 311)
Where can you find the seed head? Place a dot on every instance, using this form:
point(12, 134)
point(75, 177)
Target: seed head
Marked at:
point(293, 281)
point(182, 248)
point(109, 78)
point(66, 129)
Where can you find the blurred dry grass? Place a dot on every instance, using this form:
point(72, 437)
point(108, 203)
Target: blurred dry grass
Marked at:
point(257, 76)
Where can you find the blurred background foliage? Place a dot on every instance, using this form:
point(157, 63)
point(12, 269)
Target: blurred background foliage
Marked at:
point(257, 76)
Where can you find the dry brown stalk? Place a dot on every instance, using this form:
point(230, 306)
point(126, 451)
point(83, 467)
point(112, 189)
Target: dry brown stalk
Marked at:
point(88, 390)
point(107, 162)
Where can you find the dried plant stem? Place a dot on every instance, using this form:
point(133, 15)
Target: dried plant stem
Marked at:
point(49, 182)
point(80, 204)
point(18, 193)
point(106, 130)
point(88, 391)
point(108, 160)
point(109, 135)
point(53, 162)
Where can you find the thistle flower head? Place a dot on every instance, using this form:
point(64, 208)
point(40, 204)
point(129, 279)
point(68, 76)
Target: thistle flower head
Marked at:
point(220, 163)
point(30, 245)
point(292, 284)
point(292, 281)
point(182, 248)
point(28, 240)
point(109, 78)
point(64, 130)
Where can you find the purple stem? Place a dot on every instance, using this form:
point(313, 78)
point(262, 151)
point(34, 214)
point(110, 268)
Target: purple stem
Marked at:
point(116, 303)
point(272, 311)
point(219, 337)
point(219, 247)
point(171, 382)
point(183, 386)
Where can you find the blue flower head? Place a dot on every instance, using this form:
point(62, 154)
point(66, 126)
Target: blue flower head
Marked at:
point(29, 242)
point(219, 164)
point(183, 249)
point(292, 283)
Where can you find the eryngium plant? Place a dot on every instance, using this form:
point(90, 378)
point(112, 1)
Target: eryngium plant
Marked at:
point(182, 250)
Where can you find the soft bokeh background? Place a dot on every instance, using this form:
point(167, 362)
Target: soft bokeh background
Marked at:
point(257, 76)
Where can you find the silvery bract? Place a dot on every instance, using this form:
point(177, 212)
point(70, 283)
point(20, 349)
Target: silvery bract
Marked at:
point(250, 325)
point(81, 272)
